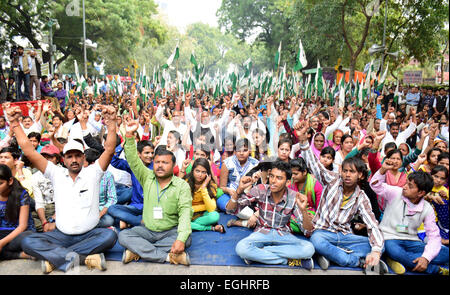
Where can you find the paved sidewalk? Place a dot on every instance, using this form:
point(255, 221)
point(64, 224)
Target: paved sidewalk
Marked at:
point(28, 267)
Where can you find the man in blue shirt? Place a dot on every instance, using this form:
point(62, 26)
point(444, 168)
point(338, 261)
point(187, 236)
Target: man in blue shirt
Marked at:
point(131, 214)
point(412, 99)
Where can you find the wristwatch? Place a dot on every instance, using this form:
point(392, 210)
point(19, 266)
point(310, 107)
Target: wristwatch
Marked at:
point(51, 220)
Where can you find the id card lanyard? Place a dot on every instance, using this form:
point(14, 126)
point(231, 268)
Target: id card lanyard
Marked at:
point(157, 211)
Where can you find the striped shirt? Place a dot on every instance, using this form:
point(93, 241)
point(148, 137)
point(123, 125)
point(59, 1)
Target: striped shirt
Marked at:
point(271, 215)
point(330, 215)
point(108, 195)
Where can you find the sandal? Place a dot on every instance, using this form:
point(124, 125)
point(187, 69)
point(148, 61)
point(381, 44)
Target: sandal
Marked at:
point(213, 228)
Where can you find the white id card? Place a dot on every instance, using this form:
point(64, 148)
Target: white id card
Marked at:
point(157, 213)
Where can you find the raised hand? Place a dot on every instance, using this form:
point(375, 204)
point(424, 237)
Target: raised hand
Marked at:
point(301, 200)
point(131, 126)
point(206, 181)
point(13, 113)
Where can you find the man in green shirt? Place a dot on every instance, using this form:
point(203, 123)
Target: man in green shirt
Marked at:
point(166, 221)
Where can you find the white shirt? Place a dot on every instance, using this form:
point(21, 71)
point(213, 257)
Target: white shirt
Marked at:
point(76, 202)
point(169, 126)
point(401, 137)
point(36, 127)
point(120, 176)
point(42, 190)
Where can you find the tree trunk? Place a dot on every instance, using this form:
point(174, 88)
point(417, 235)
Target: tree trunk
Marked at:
point(352, 68)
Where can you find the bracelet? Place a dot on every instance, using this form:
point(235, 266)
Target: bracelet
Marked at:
point(233, 200)
point(44, 223)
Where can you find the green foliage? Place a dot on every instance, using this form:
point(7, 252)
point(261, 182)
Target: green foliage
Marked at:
point(117, 26)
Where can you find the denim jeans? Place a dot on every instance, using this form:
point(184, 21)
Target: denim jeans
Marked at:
point(106, 221)
point(149, 245)
point(25, 80)
point(271, 248)
point(222, 202)
point(330, 245)
point(12, 249)
point(123, 193)
point(58, 248)
point(126, 213)
point(405, 252)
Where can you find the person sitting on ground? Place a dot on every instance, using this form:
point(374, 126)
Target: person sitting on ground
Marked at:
point(341, 200)
point(405, 211)
point(76, 197)
point(15, 219)
point(165, 232)
point(204, 190)
point(233, 169)
point(272, 241)
point(44, 216)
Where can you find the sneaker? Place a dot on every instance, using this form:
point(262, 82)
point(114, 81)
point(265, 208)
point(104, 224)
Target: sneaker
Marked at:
point(97, 261)
point(323, 262)
point(129, 256)
point(383, 267)
point(182, 258)
point(443, 271)
point(304, 263)
point(47, 267)
point(248, 262)
point(396, 266)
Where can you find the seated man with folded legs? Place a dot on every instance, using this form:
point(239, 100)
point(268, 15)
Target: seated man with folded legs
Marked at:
point(272, 241)
point(76, 198)
point(166, 228)
point(406, 209)
point(342, 199)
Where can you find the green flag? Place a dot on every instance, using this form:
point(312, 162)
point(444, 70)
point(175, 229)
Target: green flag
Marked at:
point(247, 67)
point(173, 57)
point(383, 78)
point(319, 81)
point(278, 57)
point(301, 61)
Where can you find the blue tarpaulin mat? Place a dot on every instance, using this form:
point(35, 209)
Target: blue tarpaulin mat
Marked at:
point(214, 248)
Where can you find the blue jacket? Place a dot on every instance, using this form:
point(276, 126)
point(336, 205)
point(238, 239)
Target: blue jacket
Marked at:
point(137, 196)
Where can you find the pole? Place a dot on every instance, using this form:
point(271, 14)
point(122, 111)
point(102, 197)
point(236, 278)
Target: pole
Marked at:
point(50, 50)
point(384, 36)
point(84, 42)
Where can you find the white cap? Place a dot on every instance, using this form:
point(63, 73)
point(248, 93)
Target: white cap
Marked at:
point(73, 145)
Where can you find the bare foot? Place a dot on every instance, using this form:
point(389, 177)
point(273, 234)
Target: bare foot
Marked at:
point(23, 255)
point(123, 225)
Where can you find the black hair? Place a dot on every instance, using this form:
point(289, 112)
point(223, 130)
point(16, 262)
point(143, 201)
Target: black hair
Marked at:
point(142, 144)
point(15, 153)
point(443, 155)
point(12, 211)
point(161, 150)
point(212, 189)
point(285, 140)
point(58, 115)
point(394, 124)
point(423, 180)
point(359, 165)
point(392, 152)
point(35, 135)
point(328, 150)
point(92, 155)
point(344, 137)
point(364, 152)
point(283, 166)
point(435, 149)
point(439, 168)
point(299, 164)
point(390, 145)
point(242, 142)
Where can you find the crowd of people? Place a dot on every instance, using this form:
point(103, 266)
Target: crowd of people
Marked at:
point(354, 186)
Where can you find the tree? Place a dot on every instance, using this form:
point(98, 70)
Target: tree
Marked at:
point(116, 26)
point(414, 28)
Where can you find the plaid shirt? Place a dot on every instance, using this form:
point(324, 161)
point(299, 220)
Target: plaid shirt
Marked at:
point(330, 215)
point(271, 215)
